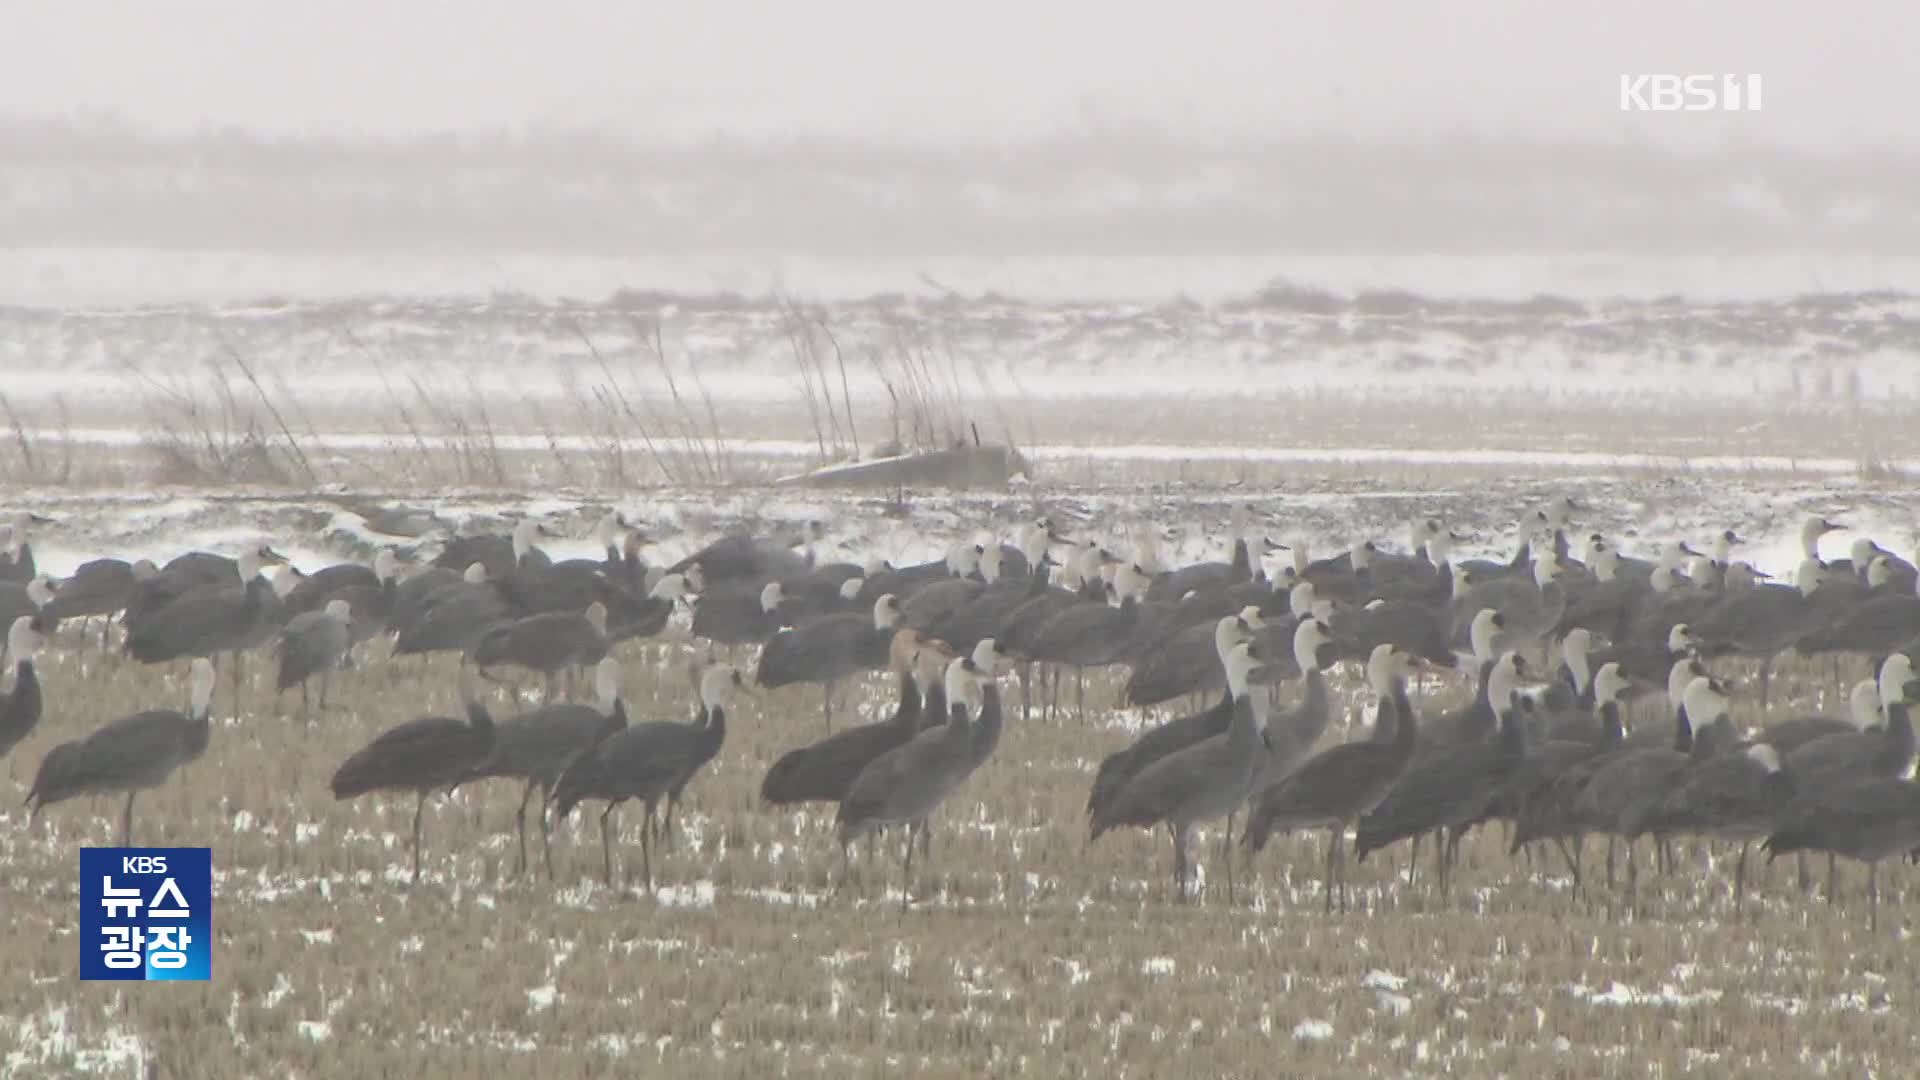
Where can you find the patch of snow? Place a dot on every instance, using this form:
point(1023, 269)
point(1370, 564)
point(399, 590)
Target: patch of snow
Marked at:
point(1313, 1031)
point(314, 1030)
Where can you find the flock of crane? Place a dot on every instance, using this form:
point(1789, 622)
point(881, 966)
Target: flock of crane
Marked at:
point(1556, 641)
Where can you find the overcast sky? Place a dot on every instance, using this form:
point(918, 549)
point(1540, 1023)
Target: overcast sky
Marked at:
point(1834, 73)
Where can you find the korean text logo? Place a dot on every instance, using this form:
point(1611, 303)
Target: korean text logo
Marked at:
point(146, 914)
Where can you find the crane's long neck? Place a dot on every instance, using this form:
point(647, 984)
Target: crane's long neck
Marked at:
point(1611, 730)
point(1900, 737)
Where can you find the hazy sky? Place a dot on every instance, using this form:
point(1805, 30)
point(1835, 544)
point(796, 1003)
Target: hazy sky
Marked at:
point(1834, 73)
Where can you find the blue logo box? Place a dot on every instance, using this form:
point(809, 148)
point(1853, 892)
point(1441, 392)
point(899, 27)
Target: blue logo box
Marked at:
point(146, 914)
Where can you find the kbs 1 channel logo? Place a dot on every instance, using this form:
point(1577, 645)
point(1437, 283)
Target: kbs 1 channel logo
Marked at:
point(146, 914)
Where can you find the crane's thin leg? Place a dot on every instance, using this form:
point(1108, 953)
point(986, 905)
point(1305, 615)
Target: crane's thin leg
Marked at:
point(520, 827)
point(1413, 858)
point(1633, 880)
point(1180, 870)
point(1026, 690)
point(303, 700)
point(546, 835)
point(1873, 897)
point(1226, 853)
point(913, 833)
point(418, 807)
point(1080, 692)
point(323, 690)
point(606, 844)
point(1610, 878)
point(1740, 875)
point(1805, 877)
point(1333, 848)
point(1833, 877)
point(646, 849)
point(126, 822)
point(1572, 856)
point(826, 701)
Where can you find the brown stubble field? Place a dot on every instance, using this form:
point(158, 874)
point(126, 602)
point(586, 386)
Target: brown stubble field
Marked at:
point(1021, 952)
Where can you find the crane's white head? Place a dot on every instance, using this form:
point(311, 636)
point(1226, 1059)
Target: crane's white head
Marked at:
point(930, 662)
point(596, 614)
point(1240, 664)
point(1862, 551)
point(40, 591)
point(386, 565)
point(963, 684)
point(989, 563)
point(1680, 639)
point(1811, 532)
point(1765, 756)
point(339, 609)
point(1895, 673)
point(986, 657)
point(1300, 600)
point(850, 589)
point(886, 612)
point(770, 594)
point(1546, 567)
point(524, 532)
point(1505, 677)
point(1879, 571)
point(1361, 555)
point(1683, 672)
point(1863, 704)
point(904, 648)
point(1483, 632)
point(1706, 702)
point(200, 686)
point(476, 573)
point(1310, 639)
point(1578, 642)
point(1231, 630)
point(1252, 617)
point(1385, 664)
point(719, 684)
point(1609, 683)
point(606, 683)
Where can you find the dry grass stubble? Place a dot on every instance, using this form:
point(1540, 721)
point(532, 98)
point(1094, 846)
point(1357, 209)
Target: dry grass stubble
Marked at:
point(1023, 951)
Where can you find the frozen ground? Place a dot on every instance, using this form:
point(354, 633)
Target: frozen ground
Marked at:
point(1022, 949)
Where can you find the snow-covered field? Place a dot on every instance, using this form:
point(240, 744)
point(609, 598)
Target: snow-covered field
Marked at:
point(1022, 947)
point(1342, 408)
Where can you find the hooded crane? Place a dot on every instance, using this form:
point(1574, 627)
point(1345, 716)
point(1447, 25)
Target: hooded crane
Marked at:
point(1448, 788)
point(1733, 797)
point(546, 643)
point(313, 643)
point(22, 706)
point(536, 747)
point(32, 597)
point(906, 784)
point(649, 762)
point(1209, 779)
point(212, 619)
point(132, 754)
point(16, 554)
point(823, 771)
point(1612, 800)
point(1344, 783)
point(1866, 819)
point(421, 756)
point(829, 649)
point(1117, 768)
point(452, 617)
point(99, 587)
point(1542, 788)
